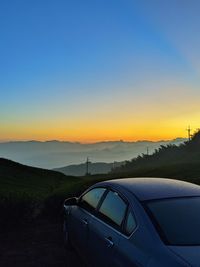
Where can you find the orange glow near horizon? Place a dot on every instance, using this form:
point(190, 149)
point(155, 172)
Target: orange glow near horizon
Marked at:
point(92, 134)
point(150, 117)
point(160, 126)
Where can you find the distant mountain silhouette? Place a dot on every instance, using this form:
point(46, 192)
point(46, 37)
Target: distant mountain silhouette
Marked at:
point(182, 161)
point(94, 168)
point(54, 154)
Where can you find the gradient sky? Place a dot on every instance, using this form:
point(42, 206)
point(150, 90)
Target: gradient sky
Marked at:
point(90, 70)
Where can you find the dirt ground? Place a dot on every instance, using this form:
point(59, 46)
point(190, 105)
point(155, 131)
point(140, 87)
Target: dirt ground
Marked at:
point(40, 245)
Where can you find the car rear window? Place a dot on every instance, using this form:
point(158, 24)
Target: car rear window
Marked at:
point(177, 220)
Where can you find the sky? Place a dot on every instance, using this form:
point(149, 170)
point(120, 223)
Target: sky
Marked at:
point(98, 70)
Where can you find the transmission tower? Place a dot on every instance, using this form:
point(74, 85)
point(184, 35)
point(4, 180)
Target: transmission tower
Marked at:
point(189, 133)
point(87, 166)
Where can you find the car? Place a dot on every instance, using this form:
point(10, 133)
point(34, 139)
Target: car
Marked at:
point(135, 222)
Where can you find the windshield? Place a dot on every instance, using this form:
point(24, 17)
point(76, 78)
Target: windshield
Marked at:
point(177, 220)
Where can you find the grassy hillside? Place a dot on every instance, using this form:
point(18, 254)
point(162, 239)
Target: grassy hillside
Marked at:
point(182, 162)
point(16, 178)
point(27, 193)
point(24, 191)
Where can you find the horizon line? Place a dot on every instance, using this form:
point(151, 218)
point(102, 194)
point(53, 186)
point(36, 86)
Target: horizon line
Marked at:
point(88, 142)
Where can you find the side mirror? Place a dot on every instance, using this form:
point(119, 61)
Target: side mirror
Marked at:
point(71, 201)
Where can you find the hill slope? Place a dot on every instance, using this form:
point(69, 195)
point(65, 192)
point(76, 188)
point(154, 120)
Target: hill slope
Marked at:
point(27, 193)
point(181, 161)
point(94, 168)
point(16, 178)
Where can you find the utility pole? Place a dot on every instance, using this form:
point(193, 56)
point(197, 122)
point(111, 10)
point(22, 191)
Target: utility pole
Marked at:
point(87, 166)
point(189, 133)
point(147, 151)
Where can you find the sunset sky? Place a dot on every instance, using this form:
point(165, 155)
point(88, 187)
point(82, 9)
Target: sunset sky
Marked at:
point(91, 70)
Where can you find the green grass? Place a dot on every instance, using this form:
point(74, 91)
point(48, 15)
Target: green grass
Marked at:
point(28, 193)
point(18, 179)
point(25, 190)
point(180, 162)
point(189, 172)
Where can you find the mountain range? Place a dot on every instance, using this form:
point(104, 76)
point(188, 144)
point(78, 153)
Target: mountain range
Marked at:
point(55, 154)
point(93, 168)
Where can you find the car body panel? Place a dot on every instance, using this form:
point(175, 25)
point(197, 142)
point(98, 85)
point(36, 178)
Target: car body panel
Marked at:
point(155, 188)
point(190, 254)
point(144, 246)
point(79, 230)
point(103, 242)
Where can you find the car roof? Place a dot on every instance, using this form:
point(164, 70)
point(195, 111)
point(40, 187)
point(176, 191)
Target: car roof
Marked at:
point(155, 188)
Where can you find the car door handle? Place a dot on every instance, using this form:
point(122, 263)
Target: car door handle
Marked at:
point(85, 222)
point(109, 241)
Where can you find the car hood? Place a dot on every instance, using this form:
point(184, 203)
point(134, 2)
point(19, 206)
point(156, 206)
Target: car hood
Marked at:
point(191, 254)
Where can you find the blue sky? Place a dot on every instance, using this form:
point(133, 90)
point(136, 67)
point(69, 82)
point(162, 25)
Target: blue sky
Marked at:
point(98, 70)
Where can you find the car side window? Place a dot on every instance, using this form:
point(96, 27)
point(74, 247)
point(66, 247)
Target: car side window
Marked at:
point(91, 199)
point(113, 209)
point(130, 223)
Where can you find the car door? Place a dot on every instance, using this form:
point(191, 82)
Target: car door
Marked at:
point(127, 254)
point(80, 219)
point(105, 230)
